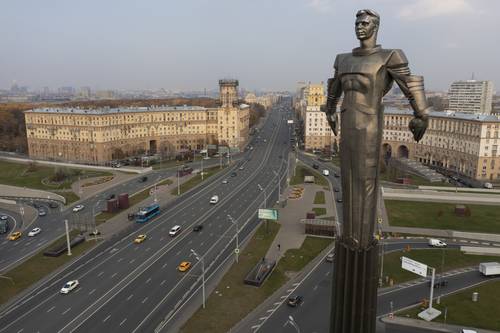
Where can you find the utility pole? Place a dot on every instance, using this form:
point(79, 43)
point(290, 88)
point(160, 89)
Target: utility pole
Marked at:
point(202, 260)
point(67, 237)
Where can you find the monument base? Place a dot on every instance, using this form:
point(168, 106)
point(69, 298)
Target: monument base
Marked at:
point(354, 301)
point(429, 314)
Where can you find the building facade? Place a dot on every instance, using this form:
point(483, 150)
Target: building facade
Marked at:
point(471, 96)
point(96, 136)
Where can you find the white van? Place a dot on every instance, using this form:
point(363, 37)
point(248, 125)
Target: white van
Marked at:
point(326, 173)
point(436, 242)
point(488, 185)
point(214, 199)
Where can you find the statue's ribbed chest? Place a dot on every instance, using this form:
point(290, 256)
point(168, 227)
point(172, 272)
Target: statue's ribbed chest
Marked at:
point(362, 73)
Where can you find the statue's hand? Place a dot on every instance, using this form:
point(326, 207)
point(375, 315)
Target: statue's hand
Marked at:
point(418, 126)
point(332, 118)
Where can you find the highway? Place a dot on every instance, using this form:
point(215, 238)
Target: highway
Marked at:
point(128, 287)
point(313, 315)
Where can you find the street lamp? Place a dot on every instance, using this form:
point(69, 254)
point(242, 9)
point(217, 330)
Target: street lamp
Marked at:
point(67, 237)
point(202, 260)
point(292, 322)
point(237, 249)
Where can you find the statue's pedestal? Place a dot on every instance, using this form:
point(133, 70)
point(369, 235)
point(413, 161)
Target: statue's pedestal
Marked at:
point(429, 314)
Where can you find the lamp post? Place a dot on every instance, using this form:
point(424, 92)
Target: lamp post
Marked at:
point(202, 260)
point(237, 249)
point(67, 237)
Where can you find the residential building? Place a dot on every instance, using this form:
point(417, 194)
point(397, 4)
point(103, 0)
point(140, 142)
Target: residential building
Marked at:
point(471, 96)
point(99, 135)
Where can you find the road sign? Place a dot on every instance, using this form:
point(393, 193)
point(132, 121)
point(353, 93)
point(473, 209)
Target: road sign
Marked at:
point(414, 266)
point(268, 214)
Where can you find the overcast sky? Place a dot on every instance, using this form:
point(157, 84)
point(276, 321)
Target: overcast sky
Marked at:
point(266, 44)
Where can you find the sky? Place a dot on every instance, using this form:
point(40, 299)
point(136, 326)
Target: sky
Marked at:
point(266, 44)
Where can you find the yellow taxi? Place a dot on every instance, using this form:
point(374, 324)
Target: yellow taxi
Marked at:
point(139, 239)
point(184, 266)
point(15, 236)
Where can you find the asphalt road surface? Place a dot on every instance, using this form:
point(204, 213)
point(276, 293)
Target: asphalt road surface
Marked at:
point(126, 287)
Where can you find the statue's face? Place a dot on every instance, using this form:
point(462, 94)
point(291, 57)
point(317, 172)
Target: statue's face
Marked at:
point(365, 28)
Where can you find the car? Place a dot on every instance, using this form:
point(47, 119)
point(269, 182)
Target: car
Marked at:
point(294, 301)
point(78, 208)
point(233, 174)
point(53, 204)
point(139, 239)
point(69, 286)
point(488, 185)
point(15, 235)
point(34, 232)
point(464, 330)
point(197, 227)
point(242, 167)
point(326, 173)
point(3, 217)
point(42, 212)
point(336, 175)
point(437, 243)
point(214, 199)
point(329, 257)
point(184, 266)
point(315, 166)
point(94, 233)
point(175, 230)
point(339, 200)
point(439, 284)
point(224, 181)
point(143, 179)
point(336, 190)
point(111, 196)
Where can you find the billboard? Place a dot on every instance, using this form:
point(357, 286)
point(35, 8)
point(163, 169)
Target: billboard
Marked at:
point(414, 266)
point(268, 214)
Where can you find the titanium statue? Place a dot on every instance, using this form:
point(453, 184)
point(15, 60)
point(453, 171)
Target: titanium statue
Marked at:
point(364, 77)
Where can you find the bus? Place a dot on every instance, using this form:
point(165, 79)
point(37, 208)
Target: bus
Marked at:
point(147, 213)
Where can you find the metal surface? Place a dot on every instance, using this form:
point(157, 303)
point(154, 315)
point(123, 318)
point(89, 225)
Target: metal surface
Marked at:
point(364, 76)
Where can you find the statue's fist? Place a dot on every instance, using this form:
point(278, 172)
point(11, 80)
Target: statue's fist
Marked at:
point(417, 127)
point(333, 121)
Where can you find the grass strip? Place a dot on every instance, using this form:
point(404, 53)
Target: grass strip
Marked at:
point(436, 215)
point(461, 311)
point(186, 186)
point(319, 211)
point(37, 267)
point(319, 198)
point(442, 259)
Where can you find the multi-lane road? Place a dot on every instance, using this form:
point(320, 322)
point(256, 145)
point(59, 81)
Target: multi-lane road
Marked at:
point(126, 287)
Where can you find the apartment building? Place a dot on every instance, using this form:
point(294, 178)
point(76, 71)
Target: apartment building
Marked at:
point(471, 96)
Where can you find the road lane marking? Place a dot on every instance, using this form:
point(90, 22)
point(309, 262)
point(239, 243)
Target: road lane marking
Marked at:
point(123, 321)
point(101, 273)
point(164, 265)
point(144, 300)
point(131, 295)
point(66, 311)
point(52, 308)
point(131, 261)
point(148, 280)
point(119, 260)
point(105, 319)
point(162, 282)
point(91, 292)
point(114, 274)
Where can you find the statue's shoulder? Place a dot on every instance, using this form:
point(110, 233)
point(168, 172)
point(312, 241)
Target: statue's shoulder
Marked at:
point(394, 57)
point(341, 57)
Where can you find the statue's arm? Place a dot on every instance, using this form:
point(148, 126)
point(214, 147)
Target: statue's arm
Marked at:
point(334, 91)
point(412, 87)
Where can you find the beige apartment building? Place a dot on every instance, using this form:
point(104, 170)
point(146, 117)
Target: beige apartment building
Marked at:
point(99, 135)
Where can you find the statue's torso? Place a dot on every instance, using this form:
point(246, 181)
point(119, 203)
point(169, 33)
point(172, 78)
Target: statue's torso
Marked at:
point(364, 80)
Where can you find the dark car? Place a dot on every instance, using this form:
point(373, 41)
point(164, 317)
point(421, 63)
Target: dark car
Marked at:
point(143, 179)
point(53, 204)
point(339, 200)
point(295, 300)
point(197, 227)
point(337, 175)
point(111, 196)
point(315, 166)
point(233, 174)
point(439, 284)
point(336, 190)
point(131, 216)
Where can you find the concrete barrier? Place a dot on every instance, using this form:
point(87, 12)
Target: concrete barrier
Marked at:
point(436, 196)
point(458, 189)
point(476, 236)
point(482, 251)
point(22, 192)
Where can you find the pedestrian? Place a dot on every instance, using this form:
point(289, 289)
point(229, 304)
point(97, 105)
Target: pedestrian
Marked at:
point(279, 247)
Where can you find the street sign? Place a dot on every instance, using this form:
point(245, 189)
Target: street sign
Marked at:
point(268, 214)
point(414, 266)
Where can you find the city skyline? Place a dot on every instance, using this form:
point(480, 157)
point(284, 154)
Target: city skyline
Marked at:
point(267, 46)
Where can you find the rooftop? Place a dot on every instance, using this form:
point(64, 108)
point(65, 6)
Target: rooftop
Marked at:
point(101, 111)
point(447, 115)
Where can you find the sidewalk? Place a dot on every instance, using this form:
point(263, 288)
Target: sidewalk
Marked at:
point(87, 191)
point(291, 234)
point(432, 327)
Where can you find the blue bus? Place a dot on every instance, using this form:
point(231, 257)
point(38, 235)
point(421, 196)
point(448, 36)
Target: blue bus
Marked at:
point(147, 213)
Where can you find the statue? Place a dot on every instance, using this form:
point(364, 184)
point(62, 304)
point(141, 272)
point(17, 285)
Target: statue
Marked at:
point(364, 77)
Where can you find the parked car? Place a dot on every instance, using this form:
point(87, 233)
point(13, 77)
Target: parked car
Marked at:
point(224, 181)
point(197, 227)
point(3, 217)
point(69, 286)
point(436, 242)
point(175, 230)
point(294, 301)
point(34, 232)
point(233, 174)
point(339, 200)
point(336, 175)
point(488, 185)
point(335, 189)
point(78, 208)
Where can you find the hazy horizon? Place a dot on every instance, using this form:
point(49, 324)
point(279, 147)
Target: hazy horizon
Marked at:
point(266, 45)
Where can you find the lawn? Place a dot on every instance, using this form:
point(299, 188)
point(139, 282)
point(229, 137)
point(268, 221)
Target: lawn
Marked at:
point(301, 171)
point(237, 299)
point(319, 211)
point(453, 259)
point(37, 267)
point(31, 176)
point(186, 186)
point(437, 215)
point(463, 312)
point(319, 198)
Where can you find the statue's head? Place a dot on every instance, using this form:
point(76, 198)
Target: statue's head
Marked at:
point(367, 23)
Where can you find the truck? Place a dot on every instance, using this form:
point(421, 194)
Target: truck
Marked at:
point(489, 268)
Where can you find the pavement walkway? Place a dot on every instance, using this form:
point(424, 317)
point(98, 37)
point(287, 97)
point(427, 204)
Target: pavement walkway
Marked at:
point(292, 234)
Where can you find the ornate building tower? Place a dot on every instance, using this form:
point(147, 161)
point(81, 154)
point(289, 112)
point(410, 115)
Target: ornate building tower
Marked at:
point(228, 92)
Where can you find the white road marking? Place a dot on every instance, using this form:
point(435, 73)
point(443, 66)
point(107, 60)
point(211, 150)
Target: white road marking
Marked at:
point(164, 265)
point(101, 273)
point(119, 259)
point(131, 295)
point(52, 308)
point(178, 253)
point(162, 282)
point(148, 280)
point(148, 249)
point(92, 291)
point(123, 321)
point(114, 274)
point(144, 300)
point(105, 319)
point(66, 311)
point(131, 261)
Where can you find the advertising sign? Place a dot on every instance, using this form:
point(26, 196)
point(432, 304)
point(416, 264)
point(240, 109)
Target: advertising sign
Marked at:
point(268, 214)
point(414, 266)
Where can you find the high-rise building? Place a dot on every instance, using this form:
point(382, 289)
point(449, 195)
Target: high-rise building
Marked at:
point(471, 96)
